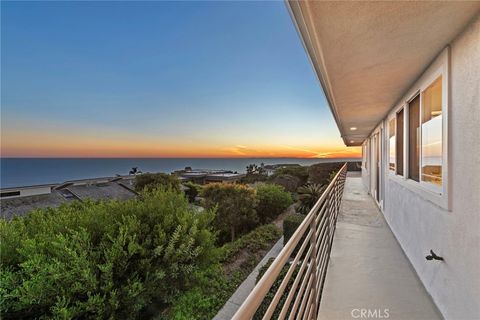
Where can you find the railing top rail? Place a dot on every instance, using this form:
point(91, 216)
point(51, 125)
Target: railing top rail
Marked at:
point(255, 298)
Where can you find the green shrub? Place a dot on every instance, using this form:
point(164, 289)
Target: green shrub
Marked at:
point(301, 172)
point(216, 284)
point(290, 225)
point(193, 190)
point(235, 208)
point(271, 293)
point(271, 201)
point(320, 172)
point(308, 195)
point(288, 182)
point(206, 298)
point(150, 181)
point(104, 260)
point(260, 238)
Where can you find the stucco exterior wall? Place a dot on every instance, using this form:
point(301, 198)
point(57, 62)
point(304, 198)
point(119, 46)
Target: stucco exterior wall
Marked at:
point(421, 225)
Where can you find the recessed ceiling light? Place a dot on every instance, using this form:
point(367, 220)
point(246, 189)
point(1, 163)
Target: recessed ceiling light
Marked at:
point(353, 128)
point(351, 141)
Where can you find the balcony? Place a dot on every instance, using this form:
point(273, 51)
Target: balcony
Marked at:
point(368, 269)
point(368, 274)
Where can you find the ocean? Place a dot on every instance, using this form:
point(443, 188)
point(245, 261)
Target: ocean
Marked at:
point(16, 172)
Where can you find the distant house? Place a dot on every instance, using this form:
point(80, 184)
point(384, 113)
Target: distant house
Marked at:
point(270, 168)
point(204, 176)
point(21, 200)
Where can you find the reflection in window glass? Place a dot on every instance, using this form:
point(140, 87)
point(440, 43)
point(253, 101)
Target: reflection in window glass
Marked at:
point(413, 139)
point(391, 138)
point(432, 133)
point(399, 143)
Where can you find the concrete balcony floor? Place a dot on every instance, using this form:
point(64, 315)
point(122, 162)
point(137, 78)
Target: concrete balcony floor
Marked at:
point(368, 269)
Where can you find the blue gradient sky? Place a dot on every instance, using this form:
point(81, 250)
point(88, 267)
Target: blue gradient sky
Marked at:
point(160, 79)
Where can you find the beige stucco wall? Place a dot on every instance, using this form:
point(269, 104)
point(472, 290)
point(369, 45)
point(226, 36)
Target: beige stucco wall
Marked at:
point(421, 225)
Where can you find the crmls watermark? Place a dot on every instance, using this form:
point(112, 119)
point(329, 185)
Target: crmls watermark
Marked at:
point(363, 313)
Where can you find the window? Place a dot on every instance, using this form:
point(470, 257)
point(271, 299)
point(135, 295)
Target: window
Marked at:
point(413, 139)
point(365, 155)
point(425, 135)
point(420, 159)
point(431, 153)
point(391, 142)
point(9, 194)
point(399, 143)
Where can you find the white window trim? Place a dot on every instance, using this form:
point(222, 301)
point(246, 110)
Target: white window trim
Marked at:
point(366, 155)
point(390, 118)
point(440, 67)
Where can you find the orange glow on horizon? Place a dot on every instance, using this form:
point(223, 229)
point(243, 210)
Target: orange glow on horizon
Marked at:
point(34, 142)
point(70, 146)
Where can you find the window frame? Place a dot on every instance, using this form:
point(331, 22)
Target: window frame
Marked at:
point(394, 119)
point(430, 186)
point(419, 135)
point(365, 154)
point(434, 194)
point(396, 115)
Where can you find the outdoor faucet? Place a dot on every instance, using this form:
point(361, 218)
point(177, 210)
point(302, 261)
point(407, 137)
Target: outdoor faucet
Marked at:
point(433, 256)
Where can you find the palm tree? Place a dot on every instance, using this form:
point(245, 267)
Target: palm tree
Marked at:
point(308, 195)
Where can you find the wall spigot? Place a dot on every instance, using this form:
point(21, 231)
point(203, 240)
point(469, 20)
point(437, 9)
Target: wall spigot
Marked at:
point(433, 256)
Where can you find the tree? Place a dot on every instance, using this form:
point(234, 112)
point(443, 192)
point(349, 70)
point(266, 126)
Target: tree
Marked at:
point(271, 201)
point(235, 207)
point(151, 181)
point(135, 171)
point(255, 173)
point(251, 169)
point(308, 195)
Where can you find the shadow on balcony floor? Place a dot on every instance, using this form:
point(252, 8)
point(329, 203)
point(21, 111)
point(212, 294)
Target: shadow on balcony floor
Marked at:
point(368, 270)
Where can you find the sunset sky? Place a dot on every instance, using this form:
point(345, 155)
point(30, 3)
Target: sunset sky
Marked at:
point(159, 79)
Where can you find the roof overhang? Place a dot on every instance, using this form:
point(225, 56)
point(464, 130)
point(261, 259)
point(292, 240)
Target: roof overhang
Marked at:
point(367, 54)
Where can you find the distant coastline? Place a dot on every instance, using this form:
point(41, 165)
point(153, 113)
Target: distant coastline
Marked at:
point(16, 172)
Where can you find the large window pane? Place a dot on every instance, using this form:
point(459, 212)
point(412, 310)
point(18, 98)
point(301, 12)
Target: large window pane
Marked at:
point(399, 144)
point(413, 139)
point(391, 137)
point(432, 133)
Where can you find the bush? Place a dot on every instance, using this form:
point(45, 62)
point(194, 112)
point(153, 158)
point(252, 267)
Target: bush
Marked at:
point(320, 172)
point(288, 182)
point(271, 201)
point(300, 172)
point(235, 208)
point(271, 293)
point(104, 260)
point(206, 298)
point(252, 178)
point(150, 181)
point(260, 238)
point(290, 224)
point(308, 195)
point(193, 190)
point(220, 280)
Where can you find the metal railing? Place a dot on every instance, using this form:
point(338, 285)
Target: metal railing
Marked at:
point(299, 293)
